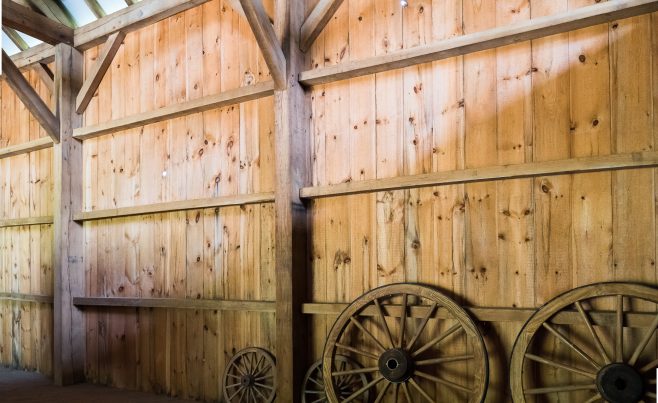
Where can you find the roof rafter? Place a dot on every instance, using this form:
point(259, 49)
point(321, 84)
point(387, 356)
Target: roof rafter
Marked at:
point(267, 41)
point(30, 98)
point(96, 8)
point(34, 24)
point(316, 21)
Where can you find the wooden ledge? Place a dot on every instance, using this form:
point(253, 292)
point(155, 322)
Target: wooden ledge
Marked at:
point(19, 222)
point(231, 97)
point(197, 204)
point(176, 303)
point(35, 145)
point(494, 173)
point(10, 296)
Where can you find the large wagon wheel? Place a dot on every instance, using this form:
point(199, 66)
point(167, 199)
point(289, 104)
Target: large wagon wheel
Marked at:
point(399, 334)
point(250, 376)
point(601, 347)
point(314, 390)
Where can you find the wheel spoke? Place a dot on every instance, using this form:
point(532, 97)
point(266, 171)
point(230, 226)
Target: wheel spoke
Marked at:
point(263, 371)
point(440, 360)
point(645, 340)
point(396, 392)
point(619, 330)
point(367, 332)
point(420, 329)
point(420, 390)
point(233, 376)
point(382, 393)
point(651, 395)
point(321, 399)
point(230, 398)
point(556, 364)
point(236, 366)
point(442, 382)
point(571, 345)
point(363, 389)
point(592, 331)
point(557, 389)
point(403, 320)
point(233, 385)
point(263, 386)
point(357, 351)
point(262, 395)
point(264, 377)
point(437, 339)
point(653, 364)
point(355, 371)
point(594, 398)
point(405, 389)
point(380, 312)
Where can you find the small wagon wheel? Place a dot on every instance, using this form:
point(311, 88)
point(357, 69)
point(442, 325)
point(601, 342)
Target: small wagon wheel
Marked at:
point(601, 335)
point(250, 376)
point(414, 343)
point(313, 388)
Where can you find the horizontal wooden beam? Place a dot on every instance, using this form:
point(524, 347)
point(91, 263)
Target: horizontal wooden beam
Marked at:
point(10, 296)
point(19, 222)
point(231, 97)
point(18, 149)
point(98, 71)
point(489, 39)
point(175, 303)
point(30, 98)
point(316, 21)
point(129, 19)
point(30, 22)
point(267, 41)
point(237, 200)
point(490, 314)
point(500, 172)
point(41, 53)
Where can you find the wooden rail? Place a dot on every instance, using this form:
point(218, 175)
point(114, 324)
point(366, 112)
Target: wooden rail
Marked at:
point(500, 172)
point(237, 200)
point(230, 97)
point(176, 303)
point(532, 29)
point(10, 296)
point(34, 145)
point(600, 318)
point(19, 222)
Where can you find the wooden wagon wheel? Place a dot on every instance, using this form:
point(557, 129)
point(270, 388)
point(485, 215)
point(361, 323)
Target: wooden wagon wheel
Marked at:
point(250, 376)
point(399, 333)
point(313, 387)
point(601, 346)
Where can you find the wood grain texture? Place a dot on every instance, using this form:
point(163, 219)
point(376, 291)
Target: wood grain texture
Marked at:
point(28, 147)
point(483, 40)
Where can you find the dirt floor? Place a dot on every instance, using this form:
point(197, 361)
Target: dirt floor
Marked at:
point(28, 387)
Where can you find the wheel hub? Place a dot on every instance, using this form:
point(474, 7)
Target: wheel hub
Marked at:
point(620, 383)
point(396, 365)
point(247, 380)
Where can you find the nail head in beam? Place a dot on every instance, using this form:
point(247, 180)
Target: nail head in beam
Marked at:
point(267, 41)
point(34, 24)
point(316, 21)
point(527, 30)
point(30, 98)
point(97, 73)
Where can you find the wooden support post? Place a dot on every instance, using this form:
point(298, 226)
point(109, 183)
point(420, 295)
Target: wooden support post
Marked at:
point(293, 166)
point(68, 237)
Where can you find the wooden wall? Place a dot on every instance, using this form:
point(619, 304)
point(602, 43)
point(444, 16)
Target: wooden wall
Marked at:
point(225, 253)
point(512, 243)
point(26, 251)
